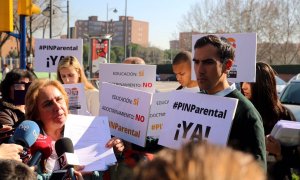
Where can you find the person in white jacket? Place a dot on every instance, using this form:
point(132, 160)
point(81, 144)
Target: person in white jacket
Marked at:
point(69, 71)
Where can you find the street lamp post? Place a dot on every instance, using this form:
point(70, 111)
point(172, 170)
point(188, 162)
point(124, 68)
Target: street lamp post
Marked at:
point(125, 32)
point(68, 20)
point(49, 10)
point(49, 13)
point(107, 9)
point(50, 16)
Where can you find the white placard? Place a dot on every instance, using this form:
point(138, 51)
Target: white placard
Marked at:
point(77, 99)
point(137, 76)
point(159, 105)
point(48, 52)
point(127, 110)
point(89, 135)
point(243, 69)
point(197, 117)
point(287, 132)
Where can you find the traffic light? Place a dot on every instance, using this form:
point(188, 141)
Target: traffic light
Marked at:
point(26, 8)
point(6, 16)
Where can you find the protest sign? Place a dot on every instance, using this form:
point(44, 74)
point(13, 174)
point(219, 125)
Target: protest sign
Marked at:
point(77, 99)
point(198, 117)
point(137, 76)
point(243, 69)
point(99, 50)
point(89, 135)
point(48, 52)
point(127, 110)
point(160, 102)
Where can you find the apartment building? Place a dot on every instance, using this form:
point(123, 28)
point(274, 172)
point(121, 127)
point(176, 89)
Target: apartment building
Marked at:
point(185, 40)
point(137, 31)
point(174, 44)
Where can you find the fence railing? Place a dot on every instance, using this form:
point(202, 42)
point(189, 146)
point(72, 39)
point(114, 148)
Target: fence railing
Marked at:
point(13, 62)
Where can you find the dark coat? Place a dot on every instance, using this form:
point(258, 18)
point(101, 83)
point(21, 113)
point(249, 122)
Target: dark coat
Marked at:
point(10, 114)
point(247, 131)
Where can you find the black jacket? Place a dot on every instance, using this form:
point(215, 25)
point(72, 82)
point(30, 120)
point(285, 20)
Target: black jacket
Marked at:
point(10, 114)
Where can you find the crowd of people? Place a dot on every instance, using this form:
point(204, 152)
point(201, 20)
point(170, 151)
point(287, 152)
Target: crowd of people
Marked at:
point(252, 153)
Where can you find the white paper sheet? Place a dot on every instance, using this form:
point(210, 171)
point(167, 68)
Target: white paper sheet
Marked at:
point(89, 135)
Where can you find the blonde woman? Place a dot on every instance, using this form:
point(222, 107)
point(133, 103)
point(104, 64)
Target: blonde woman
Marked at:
point(69, 71)
point(200, 161)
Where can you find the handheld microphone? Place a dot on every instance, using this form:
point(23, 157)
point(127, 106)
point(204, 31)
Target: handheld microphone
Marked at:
point(67, 159)
point(41, 149)
point(26, 134)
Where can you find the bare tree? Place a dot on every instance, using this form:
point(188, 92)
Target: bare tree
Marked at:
point(276, 22)
point(35, 23)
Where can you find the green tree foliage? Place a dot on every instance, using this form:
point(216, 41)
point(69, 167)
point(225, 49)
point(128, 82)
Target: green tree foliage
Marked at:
point(113, 57)
point(119, 54)
point(151, 55)
point(170, 54)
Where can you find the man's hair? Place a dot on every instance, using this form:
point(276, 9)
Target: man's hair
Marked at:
point(11, 169)
point(200, 161)
point(225, 49)
point(134, 60)
point(182, 57)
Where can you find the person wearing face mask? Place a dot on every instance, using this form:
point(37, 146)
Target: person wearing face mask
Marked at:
point(69, 71)
point(12, 108)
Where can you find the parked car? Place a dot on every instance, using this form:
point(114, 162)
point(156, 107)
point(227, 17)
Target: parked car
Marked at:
point(296, 77)
point(172, 78)
point(280, 85)
point(158, 77)
point(290, 98)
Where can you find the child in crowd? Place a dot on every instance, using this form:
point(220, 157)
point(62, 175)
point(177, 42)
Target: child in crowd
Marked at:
point(182, 69)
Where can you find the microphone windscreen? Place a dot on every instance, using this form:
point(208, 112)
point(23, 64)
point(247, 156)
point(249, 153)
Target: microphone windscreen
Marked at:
point(26, 133)
point(42, 144)
point(64, 145)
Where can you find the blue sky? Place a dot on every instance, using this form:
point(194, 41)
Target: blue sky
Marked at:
point(163, 15)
